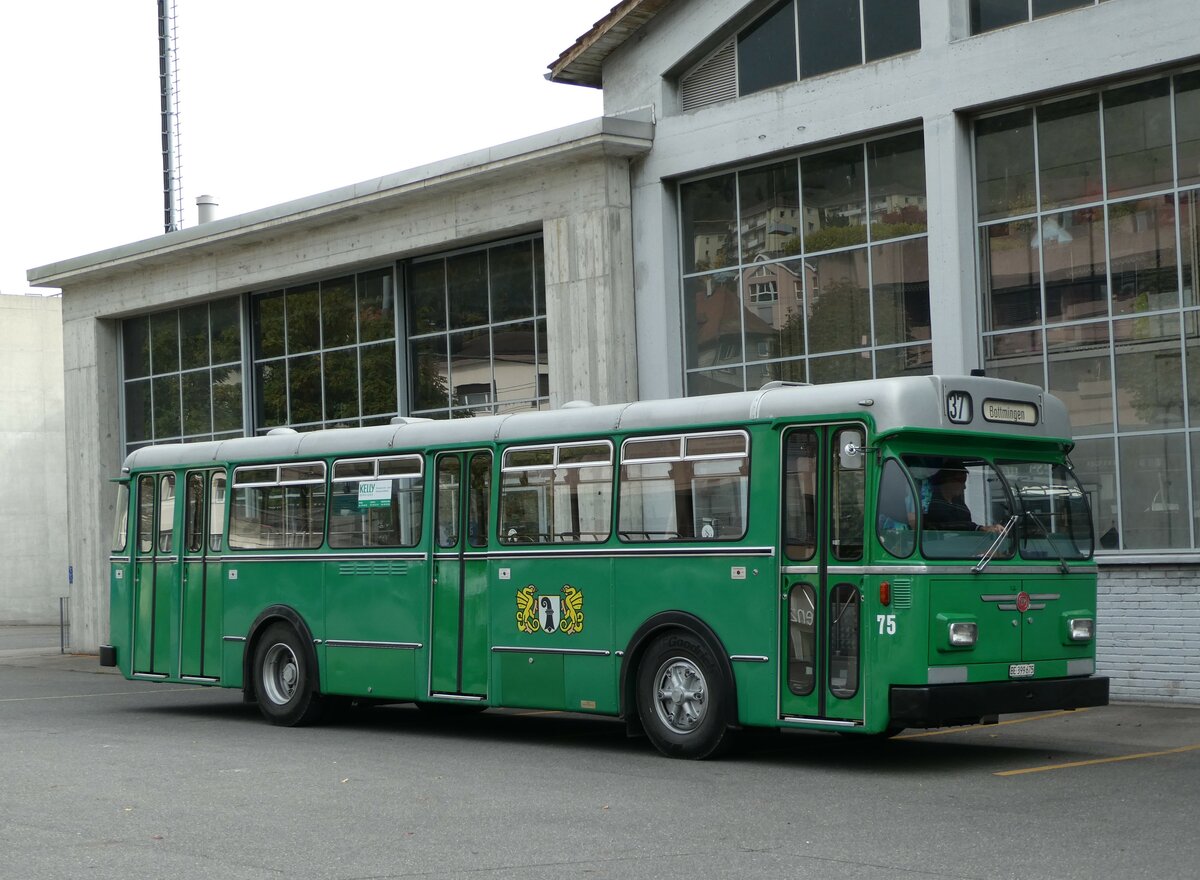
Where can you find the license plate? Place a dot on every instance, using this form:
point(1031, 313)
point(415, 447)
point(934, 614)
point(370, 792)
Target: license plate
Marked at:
point(1020, 670)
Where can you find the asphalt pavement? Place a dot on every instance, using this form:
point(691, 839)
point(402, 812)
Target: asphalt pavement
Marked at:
point(108, 778)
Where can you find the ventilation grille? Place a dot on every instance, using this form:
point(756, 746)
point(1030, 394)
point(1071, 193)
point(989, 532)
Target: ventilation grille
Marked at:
point(713, 80)
point(901, 593)
point(367, 567)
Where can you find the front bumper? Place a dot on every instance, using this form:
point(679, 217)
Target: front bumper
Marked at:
point(942, 705)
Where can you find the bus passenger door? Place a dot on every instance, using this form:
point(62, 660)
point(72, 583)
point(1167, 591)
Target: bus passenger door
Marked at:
point(155, 572)
point(458, 634)
point(822, 552)
point(200, 590)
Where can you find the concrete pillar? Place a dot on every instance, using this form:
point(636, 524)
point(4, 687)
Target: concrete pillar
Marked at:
point(590, 313)
point(90, 357)
point(953, 291)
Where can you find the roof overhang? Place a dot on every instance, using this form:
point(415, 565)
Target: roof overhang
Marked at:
point(602, 138)
point(580, 64)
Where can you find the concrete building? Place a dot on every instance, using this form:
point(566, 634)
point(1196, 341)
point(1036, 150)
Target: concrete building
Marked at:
point(794, 190)
point(33, 505)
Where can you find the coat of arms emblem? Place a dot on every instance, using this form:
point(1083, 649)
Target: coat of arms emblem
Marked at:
point(550, 613)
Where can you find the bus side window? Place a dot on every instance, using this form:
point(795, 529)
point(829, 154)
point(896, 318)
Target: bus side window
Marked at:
point(849, 495)
point(166, 513)
point(145, 515)
point(479, 495)
point(800, 495)
point(193, 519)
point(896, 511)
point(121, 524)
point(216, 512)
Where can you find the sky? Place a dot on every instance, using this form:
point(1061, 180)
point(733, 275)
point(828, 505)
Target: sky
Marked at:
point(279, 99)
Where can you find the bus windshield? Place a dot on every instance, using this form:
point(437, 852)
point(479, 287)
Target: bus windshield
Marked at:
point(964, 504)
point(1055, 520)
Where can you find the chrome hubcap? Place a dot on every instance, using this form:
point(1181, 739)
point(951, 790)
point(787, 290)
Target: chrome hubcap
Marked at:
point(680, 695)
point(281, 674)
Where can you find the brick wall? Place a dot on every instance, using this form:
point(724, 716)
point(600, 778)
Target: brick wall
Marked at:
point(1149, 631)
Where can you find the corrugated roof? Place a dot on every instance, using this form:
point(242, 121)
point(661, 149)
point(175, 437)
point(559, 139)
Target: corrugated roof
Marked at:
point(580, 64)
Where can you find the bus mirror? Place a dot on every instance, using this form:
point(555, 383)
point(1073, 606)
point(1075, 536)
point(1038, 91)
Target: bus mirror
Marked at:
point(852, 450)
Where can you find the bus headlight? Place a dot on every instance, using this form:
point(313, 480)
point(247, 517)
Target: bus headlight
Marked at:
point(963, 635)
point(1081, 629)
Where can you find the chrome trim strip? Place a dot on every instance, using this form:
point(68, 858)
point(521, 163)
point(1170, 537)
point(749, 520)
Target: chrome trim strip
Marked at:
point(119, 558)
point(1081, 667)
point(820, 722)
point(946, 675)
point(749, 658)
point(582, 652)
point(801, 569)
point(462, 698)
point(151, 676)
point(200, 679)
point(551, 550)
point(353, 643)
point(233, 638)
point(316, 557)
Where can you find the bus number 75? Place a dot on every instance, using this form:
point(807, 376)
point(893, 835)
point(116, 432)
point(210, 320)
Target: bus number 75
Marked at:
point(887, 623)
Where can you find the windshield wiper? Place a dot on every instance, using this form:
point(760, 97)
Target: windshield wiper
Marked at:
point(1062, 562)
point(991, 551)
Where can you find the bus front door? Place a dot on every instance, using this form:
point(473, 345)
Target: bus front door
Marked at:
point(155, 573)
point(200, 593)
point(821, 679)
point(458, 635)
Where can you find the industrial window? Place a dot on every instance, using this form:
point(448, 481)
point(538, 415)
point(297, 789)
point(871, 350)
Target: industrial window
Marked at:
point(798, 39)
point(325, 353)
point(477, 331)
point(182, 372)
point(843, 232)
point(1088, 241)
point(989, 15)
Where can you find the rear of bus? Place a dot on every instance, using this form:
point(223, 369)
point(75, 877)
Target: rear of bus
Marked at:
point(986, 544)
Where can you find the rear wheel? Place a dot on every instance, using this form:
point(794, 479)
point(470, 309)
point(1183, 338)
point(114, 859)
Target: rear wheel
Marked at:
point(283, 678)
point(680, 698)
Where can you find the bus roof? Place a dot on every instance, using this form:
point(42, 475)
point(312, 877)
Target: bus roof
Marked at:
point(910, 402)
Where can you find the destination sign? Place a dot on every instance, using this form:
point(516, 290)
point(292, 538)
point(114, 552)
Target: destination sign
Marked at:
point(1014, 412)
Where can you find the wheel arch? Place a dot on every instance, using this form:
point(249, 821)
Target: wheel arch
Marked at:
point(277, 614)
point(655, 626)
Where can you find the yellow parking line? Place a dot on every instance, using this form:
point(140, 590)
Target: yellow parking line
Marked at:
point(1097, 761)
point(984, 726)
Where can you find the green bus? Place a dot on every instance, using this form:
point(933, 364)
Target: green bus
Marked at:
point(859, 557)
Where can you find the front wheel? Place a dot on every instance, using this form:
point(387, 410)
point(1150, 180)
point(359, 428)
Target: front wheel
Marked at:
point(284, 680)
point(681, 698)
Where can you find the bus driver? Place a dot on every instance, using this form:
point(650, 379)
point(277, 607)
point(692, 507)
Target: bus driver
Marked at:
point(947, 508)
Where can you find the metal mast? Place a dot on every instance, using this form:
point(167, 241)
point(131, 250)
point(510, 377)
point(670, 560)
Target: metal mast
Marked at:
point(168, 83)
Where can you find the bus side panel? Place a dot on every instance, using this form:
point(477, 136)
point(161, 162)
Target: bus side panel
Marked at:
point(735, 595)
point(384, 602)
point(552, 623)
point(120, 602)
point(895, 639)
point(251, 586)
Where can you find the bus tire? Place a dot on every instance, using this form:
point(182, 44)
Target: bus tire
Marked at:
point(284, 678)
point(680, 698)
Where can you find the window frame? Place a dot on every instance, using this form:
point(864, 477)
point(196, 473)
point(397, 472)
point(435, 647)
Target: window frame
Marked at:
point(682, 455)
